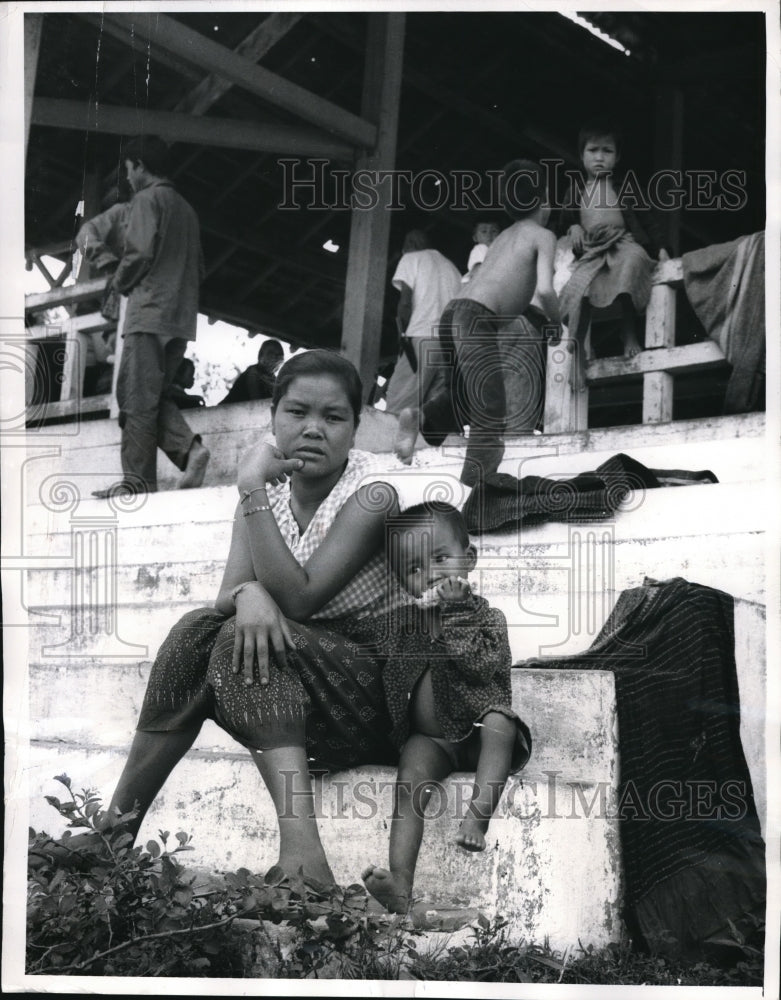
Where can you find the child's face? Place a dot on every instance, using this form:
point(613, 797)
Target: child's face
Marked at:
point(429, 553)
point(600, 155)
point(485, 232)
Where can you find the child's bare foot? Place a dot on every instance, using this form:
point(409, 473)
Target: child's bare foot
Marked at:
point(471, 836)
point(407, 434)
point(632, 346)
point(393, 891)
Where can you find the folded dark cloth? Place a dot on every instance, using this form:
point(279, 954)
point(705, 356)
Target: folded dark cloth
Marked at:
point(502, 500)
point(725, 285)
point(692, 848)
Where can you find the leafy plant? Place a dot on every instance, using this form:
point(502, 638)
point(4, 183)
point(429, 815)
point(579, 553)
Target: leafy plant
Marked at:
point(97, 905)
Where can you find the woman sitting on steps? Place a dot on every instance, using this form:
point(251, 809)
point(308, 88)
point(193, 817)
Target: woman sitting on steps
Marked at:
point(278, 662)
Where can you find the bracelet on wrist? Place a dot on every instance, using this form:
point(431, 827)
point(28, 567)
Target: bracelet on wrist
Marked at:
point(246, 494)
point(255, 510)
point(238, 589)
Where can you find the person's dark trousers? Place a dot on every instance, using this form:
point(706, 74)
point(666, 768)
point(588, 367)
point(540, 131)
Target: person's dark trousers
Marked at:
point(148, 418)
point(468, 387)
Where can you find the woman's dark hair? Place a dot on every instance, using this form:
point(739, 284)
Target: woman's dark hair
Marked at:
point(597, 128)
point(522, 188)
point(151, 151)
point(320, 362)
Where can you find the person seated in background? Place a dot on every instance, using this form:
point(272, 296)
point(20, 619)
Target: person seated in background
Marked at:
point(612, 263)
point(483, 235)
point(257, 381)
point(185, 379)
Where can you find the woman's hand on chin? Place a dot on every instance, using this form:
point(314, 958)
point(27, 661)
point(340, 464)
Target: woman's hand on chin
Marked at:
point(263, 464)
point(260, 629)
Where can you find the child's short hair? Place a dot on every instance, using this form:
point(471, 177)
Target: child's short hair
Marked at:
point(522, 188)
point(427, 512)
point(595, 129)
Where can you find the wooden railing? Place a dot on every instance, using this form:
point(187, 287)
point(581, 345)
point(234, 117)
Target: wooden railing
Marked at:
point(566, 408)
point(72, 331)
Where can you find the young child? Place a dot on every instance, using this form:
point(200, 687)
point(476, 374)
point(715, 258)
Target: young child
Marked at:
point(447, 687)
point(468, 385)
point(608, 243)
point(483, 236)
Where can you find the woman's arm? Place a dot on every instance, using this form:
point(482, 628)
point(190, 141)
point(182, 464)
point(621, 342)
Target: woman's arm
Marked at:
point(259, 552)
point(355, 536)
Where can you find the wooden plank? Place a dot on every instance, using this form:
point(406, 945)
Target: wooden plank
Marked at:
point(72, 407)
point(75, 350)
point(660, 317)
point(565, 409)
point(33, 28)
point(705, 354)
point(657, 398)
point(668, 155)
point(114, 405)
point(86, 323)
point(70, 294)
point(668, 272)
point(257, 43)
point(176, 127)
point(370, 230)
point(175, 37)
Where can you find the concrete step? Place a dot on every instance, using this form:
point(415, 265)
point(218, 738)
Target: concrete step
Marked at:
point(552, 867)
point(86, 684)
point(172, 547)
point(571, 714)
point(86, 454)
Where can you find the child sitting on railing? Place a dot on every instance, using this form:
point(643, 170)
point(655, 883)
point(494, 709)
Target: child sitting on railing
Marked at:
point(447, 687)
point(608, 242)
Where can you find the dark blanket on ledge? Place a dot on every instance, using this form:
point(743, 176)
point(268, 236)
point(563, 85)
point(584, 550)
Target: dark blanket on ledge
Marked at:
point(692, 849)
point(502, 500)
point(725, 284)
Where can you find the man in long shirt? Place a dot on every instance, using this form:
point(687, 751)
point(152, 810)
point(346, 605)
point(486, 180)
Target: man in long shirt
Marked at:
point(159, 271)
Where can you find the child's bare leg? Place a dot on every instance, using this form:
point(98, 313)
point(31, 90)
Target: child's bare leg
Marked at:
point(583, 350)
point(632, 345)
point(407, 434)
point(422, 763)
point(497, 738)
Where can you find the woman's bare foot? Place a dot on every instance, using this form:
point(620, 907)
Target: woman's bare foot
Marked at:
point(313, 869)
point(471, 836)
point(407, 434)
point(393, 891)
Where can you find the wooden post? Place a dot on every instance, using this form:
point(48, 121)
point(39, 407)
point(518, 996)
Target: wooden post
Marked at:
point(114, 409)
point(565, 409)
point(659, 332)
point(668, 155)
point(370, 229)
point(33, 27)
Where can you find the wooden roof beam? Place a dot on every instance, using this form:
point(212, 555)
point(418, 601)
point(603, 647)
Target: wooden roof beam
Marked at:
point(454, 103)
point(190, 46)
point(257, 43)
point(177, 127)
